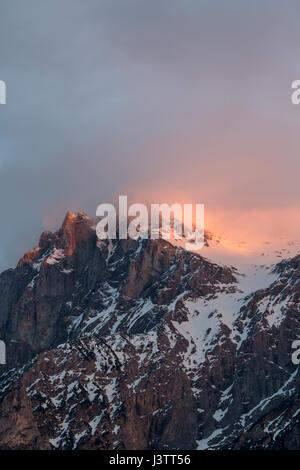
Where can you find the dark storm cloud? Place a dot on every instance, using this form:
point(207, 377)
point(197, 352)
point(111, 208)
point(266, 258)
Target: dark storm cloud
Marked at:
point(104, 96)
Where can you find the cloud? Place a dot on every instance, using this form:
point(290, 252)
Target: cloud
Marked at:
point(189, 98)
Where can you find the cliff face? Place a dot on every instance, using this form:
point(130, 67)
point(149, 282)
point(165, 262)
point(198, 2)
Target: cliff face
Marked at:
point(34, 294)
point(141, 345)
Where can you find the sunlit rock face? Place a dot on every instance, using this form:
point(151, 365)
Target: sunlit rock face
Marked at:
point(127, 344)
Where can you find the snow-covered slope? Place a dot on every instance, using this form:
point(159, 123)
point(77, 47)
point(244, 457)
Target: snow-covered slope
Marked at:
point(141, 344)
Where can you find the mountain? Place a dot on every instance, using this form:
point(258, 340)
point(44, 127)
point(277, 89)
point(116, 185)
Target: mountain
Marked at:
point(123, 344)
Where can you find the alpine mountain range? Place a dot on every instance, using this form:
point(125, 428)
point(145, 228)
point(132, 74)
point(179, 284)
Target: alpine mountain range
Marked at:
point(140, 344)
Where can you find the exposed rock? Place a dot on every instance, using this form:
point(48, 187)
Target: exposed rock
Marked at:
point(142, 345)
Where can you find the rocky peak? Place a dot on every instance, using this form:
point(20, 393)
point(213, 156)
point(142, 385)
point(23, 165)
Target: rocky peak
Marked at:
point(140, 344)
point(75, 233)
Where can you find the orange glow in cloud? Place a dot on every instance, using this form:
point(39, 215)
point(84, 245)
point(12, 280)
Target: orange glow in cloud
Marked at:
point(256, 226)
point(241, 230)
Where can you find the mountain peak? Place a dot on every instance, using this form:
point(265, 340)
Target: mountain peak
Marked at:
point(73, 217)
point(76, 229)
point(93, 328)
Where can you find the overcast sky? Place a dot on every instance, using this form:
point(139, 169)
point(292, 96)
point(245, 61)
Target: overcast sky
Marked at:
point(160, 100)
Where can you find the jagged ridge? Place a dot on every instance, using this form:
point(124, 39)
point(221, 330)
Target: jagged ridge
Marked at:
point(141, 344)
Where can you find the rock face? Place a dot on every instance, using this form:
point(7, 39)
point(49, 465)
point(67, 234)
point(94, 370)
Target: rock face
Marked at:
point(142, 345)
